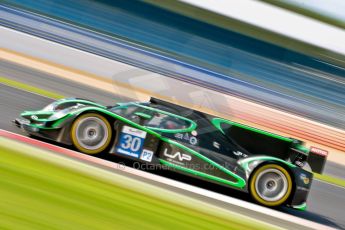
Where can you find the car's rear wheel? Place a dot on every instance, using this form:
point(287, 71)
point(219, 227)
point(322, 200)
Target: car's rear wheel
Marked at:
point(270, 185)
point(91, 133)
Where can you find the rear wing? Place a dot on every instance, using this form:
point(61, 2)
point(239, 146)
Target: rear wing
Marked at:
point(317, 159)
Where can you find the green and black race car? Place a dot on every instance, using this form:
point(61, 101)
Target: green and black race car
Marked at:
point(268, 166)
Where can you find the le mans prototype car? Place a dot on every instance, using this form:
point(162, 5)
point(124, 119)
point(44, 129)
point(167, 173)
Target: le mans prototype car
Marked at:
point(266, 165)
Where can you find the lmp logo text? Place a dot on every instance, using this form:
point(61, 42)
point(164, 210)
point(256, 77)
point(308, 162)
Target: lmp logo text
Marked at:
point(180, 156)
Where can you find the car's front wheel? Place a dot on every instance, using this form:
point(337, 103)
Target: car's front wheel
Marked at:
point(91, 133)
point(270, 185)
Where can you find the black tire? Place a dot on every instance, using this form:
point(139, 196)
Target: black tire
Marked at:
point(270, 185)
point(91, 133)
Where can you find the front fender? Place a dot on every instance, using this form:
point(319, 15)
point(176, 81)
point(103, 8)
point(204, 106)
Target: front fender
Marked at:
point(69, 117)
point(65, 123)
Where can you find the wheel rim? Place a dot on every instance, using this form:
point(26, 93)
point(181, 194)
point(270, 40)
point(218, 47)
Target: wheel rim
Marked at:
point(91, 133)
point(271, 185)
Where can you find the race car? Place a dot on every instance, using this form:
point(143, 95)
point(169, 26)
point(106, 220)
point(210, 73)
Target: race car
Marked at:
point(266, 165)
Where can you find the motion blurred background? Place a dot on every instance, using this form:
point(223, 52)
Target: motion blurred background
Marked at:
point(275, 65)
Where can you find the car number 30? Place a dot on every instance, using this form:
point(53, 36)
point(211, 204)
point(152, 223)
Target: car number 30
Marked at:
point(131, 143)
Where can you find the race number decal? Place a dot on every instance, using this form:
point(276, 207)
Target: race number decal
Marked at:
point(131, 141)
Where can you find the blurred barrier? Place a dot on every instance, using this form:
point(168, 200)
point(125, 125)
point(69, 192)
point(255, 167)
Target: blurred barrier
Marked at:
point(330, 113)
point(254, 19)
point(231, 56)
point(119, 78)
point(202, 99)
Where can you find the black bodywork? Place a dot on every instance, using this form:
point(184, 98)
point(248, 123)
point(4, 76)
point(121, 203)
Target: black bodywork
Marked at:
point(226, 154)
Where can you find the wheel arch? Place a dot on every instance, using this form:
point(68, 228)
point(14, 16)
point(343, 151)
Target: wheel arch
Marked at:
point(65, 123)
point(110, 120)
point(282, 164)
point(285, 166)
point(251, 164)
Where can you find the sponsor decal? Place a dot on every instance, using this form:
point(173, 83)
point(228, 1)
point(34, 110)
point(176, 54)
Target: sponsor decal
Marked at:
point(319, 151)
point(300, 163)
point(304, 178)
point(179, 135)
point(238, 153)
point(216, 145)
point(190, 138)
point(146, 155)
point(177, 157)
point(131, 141)
point(134, 131)
point(193, 141)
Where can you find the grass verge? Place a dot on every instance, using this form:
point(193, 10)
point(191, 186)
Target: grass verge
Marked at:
point(42, 190)
point(23, 86)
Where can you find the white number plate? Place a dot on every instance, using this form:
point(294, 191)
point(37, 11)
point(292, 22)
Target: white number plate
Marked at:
point(131, 141)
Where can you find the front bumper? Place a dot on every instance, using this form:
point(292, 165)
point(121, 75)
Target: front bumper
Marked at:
point(38, 130)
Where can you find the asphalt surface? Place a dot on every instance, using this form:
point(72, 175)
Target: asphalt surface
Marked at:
point(326, 202)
